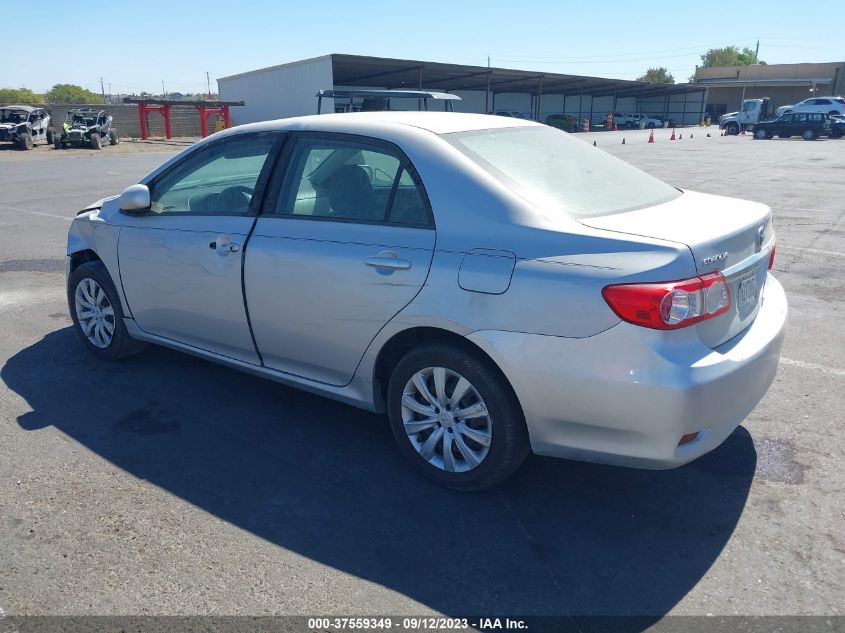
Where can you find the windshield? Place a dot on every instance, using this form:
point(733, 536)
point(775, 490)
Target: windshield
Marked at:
point(13, 116)
point(550, 168)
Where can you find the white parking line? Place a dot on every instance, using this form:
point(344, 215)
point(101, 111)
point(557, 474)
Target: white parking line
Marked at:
point(810, 250)
point(806, 365)
point(46, 215)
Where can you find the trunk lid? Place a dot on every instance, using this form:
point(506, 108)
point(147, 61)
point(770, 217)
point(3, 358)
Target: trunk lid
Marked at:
point(725, 234)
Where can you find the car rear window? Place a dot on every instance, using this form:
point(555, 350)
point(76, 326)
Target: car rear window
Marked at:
point(840, 101)
point(552, 169)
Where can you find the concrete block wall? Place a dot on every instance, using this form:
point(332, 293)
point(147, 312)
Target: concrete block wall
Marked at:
point(184, 120)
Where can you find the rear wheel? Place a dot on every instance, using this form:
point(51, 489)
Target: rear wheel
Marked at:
point(114, 138)
point(25, 140)
point(761, 134)
point(455, 418)
point(96, 141)
point(57, 142)
point(809, 135)
point(96, 313)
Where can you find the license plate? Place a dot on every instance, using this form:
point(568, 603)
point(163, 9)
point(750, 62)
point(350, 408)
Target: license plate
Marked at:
point(747, 291)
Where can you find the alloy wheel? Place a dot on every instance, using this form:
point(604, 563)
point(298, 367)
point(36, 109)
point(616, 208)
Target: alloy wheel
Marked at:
point(446, 419)
point(94, 312)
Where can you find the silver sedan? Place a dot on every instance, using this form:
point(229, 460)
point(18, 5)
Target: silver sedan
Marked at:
point(496, 286)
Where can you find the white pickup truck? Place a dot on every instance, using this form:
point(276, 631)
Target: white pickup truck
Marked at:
point(753, 111)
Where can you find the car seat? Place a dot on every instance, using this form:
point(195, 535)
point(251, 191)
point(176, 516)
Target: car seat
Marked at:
point(350, 194)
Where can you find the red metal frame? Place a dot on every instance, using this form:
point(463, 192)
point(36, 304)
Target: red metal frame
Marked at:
point(205, 109)
point(144, 110)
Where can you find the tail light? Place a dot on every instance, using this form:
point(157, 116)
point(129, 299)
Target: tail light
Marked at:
point(670, 305)
point(772, 257)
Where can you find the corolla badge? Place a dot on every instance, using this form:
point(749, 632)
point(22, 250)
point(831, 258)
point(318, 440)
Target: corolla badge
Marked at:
point(758, 238)
point(718, 257)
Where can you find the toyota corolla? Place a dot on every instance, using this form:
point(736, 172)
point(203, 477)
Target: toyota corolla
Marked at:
point(496, 286)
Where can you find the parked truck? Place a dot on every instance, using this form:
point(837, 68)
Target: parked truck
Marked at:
point(753, 111)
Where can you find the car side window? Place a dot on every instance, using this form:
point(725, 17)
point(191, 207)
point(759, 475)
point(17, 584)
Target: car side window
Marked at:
point(219, 179)
point(351, 180)
point(800, 118)
point(786, 118)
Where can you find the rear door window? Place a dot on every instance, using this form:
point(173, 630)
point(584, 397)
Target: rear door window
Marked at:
point(350, 179)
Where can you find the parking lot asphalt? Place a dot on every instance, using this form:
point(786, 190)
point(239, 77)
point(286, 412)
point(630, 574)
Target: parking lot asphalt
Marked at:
point(163, 484)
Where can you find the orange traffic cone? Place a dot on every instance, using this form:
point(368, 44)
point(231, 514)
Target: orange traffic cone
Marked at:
point(672, 138)
point(651, 137)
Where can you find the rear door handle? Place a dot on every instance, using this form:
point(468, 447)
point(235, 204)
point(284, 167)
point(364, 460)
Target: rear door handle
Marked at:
point(388, 261)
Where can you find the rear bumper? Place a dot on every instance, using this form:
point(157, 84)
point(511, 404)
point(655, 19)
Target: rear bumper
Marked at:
point(627, 395)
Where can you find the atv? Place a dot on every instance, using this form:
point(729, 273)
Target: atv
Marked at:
point(87, 127)
point(23, 125)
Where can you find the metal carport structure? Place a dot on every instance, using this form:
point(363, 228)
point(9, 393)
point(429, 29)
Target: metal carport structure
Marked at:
point(289, 89)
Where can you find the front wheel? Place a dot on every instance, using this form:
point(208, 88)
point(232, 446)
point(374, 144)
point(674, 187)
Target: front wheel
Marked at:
point(836, 134)
point(51, 135)
point(114, 138)
point(761, 134)
point(25, 141)
point(733, 129)
point(809, 135)
point(456, 418)
point(96, 141)
point(96, 313)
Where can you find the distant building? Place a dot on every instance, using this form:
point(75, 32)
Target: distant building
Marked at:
point(784, 84)
point(291, 89)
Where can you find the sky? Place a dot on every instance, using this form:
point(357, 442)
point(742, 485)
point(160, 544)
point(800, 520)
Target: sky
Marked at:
point(154, 41)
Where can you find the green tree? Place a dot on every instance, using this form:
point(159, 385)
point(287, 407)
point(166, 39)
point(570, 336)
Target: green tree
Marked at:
point(729, 56)
point(658, 75)
point(69, 93)
point(19, 95)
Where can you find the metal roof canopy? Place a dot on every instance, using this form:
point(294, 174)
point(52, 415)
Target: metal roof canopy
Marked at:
point(351, 70)
point(387, 94)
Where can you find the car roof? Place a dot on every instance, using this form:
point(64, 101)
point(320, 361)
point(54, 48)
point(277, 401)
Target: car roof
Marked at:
point(436, 122)
point(20, 107)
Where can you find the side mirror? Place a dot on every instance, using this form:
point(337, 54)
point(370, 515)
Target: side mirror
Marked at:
point(135, 199)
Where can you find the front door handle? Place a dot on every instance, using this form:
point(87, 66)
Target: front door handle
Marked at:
point(224, 246)
point(387, 260)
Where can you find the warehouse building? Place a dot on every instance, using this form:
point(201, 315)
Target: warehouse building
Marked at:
point(291, 89)
point(784, 84)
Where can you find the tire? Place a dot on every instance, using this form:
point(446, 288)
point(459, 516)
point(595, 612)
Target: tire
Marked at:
point(120, 344)
point(836, 134)
point(733, 129)
point(57, 142)
point(809, 135)
point(51, 136)
point(114, 137)
point(96, 141)
point(25, 141)
point(504, 423)
point(761, 134)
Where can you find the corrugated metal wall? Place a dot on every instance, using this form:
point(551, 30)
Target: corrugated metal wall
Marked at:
point(283, 91)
